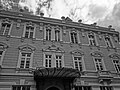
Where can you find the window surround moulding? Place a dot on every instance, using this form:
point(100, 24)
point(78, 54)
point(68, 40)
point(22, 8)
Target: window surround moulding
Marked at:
point(114, 56)
point(96, 54)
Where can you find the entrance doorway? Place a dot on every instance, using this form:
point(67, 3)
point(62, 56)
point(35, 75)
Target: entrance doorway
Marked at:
point(52, 88)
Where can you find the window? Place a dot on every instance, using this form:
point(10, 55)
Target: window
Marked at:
point(78, 62)
point(5, 28)
point(92, 39)
point(74, 37)
point(21, 87)
point(25, 60)
point(108, 41)
point(98, 63)
point(57, 35)
point(116, 65)
point(83, 88)
point(53, 61)
point(29, 32)
point(25, 56)
point(106, 88)
point(58, 61)
point(48, 60)
point(48, 34)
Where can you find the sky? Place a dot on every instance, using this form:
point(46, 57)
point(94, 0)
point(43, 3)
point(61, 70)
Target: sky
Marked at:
point(103, 12)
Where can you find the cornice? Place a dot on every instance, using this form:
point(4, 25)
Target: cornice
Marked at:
point(38, 19)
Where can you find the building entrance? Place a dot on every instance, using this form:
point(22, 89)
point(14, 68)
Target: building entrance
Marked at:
point(53, 88)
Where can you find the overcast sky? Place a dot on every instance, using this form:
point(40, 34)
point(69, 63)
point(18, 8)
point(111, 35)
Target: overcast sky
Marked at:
point(104, 12)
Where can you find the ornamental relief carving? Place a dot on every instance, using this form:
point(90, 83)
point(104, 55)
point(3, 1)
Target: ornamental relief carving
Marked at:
point(6, 21)
point(114, 56)
point(77, 52)
point(97, 54)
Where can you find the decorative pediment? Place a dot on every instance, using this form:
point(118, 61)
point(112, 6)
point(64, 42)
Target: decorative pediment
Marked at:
point(57, 28)
point(6, 21)
point(29, 24)
point(77, 52)
point(68, 19)
point(73, 30)
point(48, 26)
point(97, 54)
point(3, 45)
point(91, 33)
point(53, 48)
point(26, 47)
point(115, 56)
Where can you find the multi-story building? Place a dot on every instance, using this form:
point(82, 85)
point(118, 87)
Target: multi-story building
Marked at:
point(40, 53)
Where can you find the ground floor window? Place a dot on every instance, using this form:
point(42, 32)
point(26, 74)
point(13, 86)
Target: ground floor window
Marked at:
point(106, 88)
point(21, 87)
point(83, 88)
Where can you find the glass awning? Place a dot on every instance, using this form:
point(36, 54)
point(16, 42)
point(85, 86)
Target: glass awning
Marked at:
point(56, 72)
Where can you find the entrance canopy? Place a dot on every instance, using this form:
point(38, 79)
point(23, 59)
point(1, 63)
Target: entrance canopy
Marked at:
point(56, 72)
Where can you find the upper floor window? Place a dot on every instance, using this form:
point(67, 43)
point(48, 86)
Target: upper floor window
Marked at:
point(48, 34)
point(78, 63)
point(57, 35)
point(25, 56)
point(74, 37)
point(83, 88)
point(116, 65)
point(29, 30)
point(106, 88)
point(108, 41)
point(92, 39)
point(53, 57)
point(21, 87)
point(78, 59)
point(116, 61)
point(98, 64)
point(98, 60)
point(5, 27)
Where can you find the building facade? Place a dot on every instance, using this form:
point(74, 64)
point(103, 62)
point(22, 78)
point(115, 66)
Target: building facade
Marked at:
point(40, 53)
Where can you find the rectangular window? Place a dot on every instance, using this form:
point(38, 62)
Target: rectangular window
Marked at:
point(1, 53)
point(116, 65)
point(74, 38)
point(20, 87)
point(83, 88)
point(98, 63)
point(57, 35)
point(48, 60)
point(48, 34)
point(106, 88)
point(5, 28)
point(108, 42)
point(78, 63)
point(58, 61)
point(29, 32)
point(92, 40)
point(25, 60)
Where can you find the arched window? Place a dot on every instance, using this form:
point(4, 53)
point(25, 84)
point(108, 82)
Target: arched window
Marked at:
point(78, 59)
point(98, 60)
point(3, 48)
point(91, 38)
point(25, 56)
point(116, 61)
point(73, 37)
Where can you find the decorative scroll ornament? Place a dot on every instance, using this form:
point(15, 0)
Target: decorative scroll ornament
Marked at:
point(6, 21)
point(30, 24)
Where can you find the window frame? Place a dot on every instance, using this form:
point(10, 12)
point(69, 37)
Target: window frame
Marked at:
point(6, 21)
point(118, 71)
point(29, 25)
point(105, 87)
point(21, 87)
point(75, 37)
point(88, 87)
point(103, 66)
point(78, 62)
point(93, 40)
point(109, 42)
